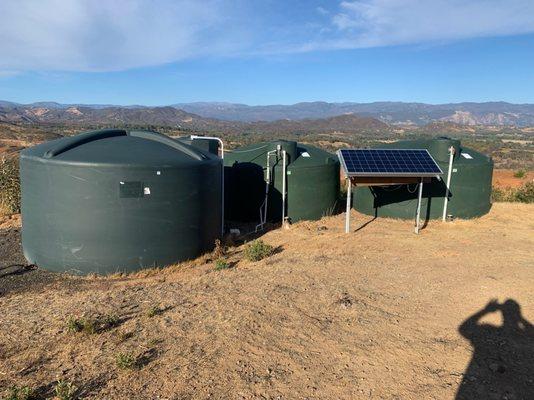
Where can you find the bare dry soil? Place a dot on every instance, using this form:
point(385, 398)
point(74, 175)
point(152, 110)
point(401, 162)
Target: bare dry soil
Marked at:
point(380, 313)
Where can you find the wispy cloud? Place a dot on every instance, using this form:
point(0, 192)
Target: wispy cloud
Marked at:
point(368, 23)
point(86, 35)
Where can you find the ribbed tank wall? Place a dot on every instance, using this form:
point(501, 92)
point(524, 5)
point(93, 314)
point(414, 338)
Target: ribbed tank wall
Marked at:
point(470, 189)
point(107, 218)
point(319, 183)
point(312, 192)
point(312, 182)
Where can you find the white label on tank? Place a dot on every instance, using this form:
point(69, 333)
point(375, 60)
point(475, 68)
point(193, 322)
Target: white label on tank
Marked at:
point(305, 154)
point(289, 172)
point(146, 190)
point(454, 170)
point(467, 155)
point(158, 172)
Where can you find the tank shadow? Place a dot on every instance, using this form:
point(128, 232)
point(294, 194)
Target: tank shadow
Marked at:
point(385, 195)
point(244, 191)
point(368, 222)
point(502, 365)
point(16, 269)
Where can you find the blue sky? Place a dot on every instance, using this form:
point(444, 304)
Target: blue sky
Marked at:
point(266, 52)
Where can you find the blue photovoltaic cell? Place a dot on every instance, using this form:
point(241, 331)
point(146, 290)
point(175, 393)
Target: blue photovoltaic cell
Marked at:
point(388, 162)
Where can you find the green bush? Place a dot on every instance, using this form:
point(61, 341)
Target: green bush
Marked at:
point(19, 393)
point(65, 390)
point(499, 195)
point(523, 194)
point(154, 310)
point(10, 184)
point(258, 250)
point(94, 325)
point(221, 263)
point(520, 173)
point(125, 361)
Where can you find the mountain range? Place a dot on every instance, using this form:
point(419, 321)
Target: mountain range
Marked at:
point(211, 116)
point(492, 113)
point(173, 117)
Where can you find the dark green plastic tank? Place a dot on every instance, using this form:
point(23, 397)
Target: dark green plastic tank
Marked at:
point(207, 145)
point(312, 182)
point(108, 201)
point(470, 189)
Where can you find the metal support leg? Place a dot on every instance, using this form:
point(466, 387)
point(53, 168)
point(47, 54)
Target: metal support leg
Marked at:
point(347, 211)
point(419, 198)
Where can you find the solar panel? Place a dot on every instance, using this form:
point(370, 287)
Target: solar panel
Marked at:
point(388, 162)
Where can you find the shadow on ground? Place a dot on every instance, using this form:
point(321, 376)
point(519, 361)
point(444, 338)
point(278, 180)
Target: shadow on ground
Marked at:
point(502, 365)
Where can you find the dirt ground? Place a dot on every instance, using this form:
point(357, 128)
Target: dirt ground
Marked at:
point(379, 313)
point(504, 178)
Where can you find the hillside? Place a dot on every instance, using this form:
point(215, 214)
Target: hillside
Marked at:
point(380, 313)
point(486, 114)
point(175, 118)
point(491, 113)
point(81, 115)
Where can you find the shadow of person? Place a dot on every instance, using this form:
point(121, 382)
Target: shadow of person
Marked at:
point(502, 366)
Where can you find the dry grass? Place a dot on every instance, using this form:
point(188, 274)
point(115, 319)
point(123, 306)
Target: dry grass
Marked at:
point(5, 210)
point(372, 314)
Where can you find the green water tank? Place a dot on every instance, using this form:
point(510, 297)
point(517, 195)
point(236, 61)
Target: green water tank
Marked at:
point(470, 188)
point(117, 201)
point(312, 182)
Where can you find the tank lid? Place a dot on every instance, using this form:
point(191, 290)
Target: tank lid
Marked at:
point(120, 147)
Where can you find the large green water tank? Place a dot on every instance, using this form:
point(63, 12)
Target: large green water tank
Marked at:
point(470, 188)
point(113, 200)
point(312, 182)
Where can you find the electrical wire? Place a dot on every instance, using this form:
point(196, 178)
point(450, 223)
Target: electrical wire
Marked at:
point(414, 190)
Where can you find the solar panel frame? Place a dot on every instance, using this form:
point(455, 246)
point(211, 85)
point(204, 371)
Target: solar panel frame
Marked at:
point(377, 166)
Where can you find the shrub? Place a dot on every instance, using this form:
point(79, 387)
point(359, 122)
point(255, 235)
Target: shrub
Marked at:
point(92, 325)
point(525, 194)
point(154, 310)
point(75, 324)
point(20, 393)
point(125, 360)
point(10, 184)
point(258, 250)
point(520, 173)
point(499, 195)
point(65, 390)
point(221, 263)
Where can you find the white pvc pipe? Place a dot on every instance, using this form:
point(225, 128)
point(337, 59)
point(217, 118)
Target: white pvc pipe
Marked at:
point(263, 214)
point(447, 191)
point(347, 211)
point(284, 177)
point(419, 200)
point(222, 172)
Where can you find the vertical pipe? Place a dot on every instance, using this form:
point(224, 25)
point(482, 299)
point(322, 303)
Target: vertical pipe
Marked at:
point(447, 191)
point(263, 208)
point(267, 183)
point(222, 189)
point(284, 166)
point(419, 198)
point(347, 211)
